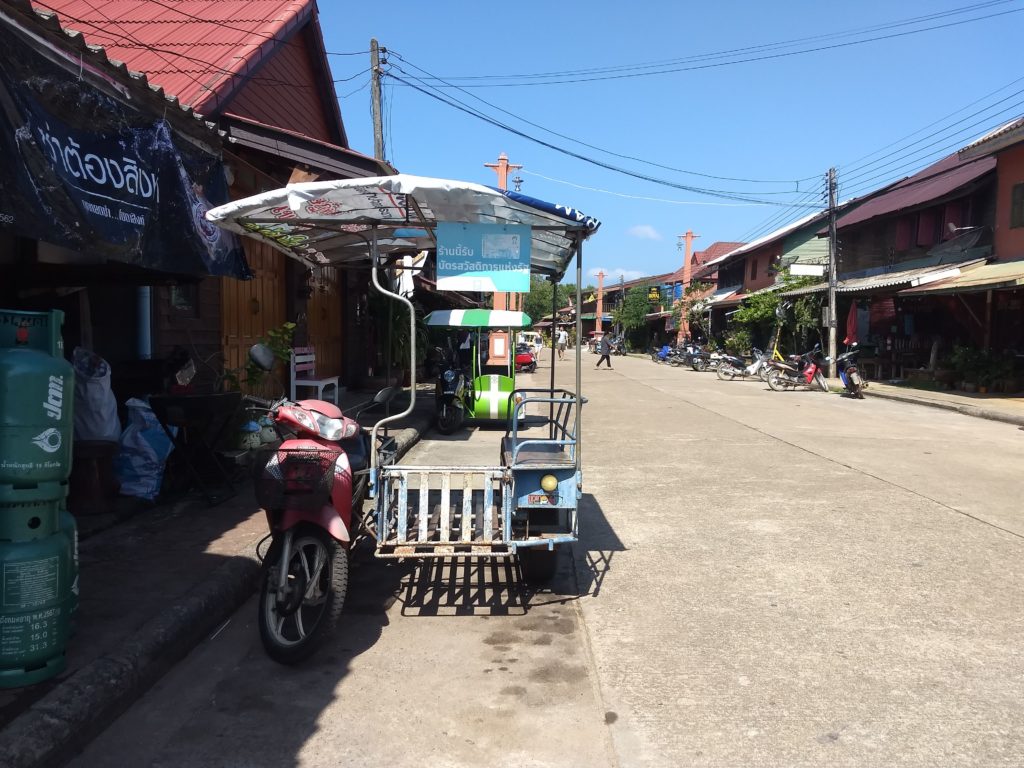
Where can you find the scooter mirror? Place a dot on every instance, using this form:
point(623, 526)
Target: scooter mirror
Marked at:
point(262, 356)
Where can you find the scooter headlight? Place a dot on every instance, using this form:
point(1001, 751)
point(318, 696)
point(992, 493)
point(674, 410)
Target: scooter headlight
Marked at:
point(449, 376)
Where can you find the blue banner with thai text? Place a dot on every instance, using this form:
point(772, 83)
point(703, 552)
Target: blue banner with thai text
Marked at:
point(483, 257)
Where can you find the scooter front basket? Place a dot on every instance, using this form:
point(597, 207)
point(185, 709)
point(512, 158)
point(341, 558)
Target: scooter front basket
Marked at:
point(298, 479)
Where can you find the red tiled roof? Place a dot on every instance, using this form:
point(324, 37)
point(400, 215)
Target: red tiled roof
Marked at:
point(198, 50)
point(713, 251)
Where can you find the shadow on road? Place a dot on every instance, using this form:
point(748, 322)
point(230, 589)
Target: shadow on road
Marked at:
point(598, 544)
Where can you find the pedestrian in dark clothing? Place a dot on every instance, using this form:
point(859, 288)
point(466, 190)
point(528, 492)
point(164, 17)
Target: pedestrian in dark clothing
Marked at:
point(605, 350)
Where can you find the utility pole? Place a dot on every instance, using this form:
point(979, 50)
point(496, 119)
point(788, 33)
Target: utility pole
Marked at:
point(599, 312)
point(378, 125)
point(832, 277)
point(504, 300)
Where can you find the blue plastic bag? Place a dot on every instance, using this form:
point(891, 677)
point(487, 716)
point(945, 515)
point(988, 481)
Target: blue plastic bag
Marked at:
point(145, 447)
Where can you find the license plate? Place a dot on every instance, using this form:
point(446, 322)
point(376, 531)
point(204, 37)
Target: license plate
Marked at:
point(537, 498)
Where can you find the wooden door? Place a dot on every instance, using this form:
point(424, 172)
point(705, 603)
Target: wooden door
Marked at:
point(323, 320)
point(250, 308)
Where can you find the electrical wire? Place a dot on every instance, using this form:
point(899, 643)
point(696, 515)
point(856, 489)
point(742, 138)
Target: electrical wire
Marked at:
point(745, 49)
point(866, 168)
point(637, 197)
point(795, 182)
point(853, 163)
point(750, 59)
point(126, 40)
point(592, 161)
point(219, 23)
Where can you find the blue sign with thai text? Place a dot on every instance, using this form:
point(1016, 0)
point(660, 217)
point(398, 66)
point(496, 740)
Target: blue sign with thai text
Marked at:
point(483, 257)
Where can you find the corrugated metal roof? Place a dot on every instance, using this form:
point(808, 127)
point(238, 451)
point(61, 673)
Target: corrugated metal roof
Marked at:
point(196, 49)
point(998, 275)
point(887, 279)
point(94, 57)
point(993, 140)
point(771, 237)
point(932, 183)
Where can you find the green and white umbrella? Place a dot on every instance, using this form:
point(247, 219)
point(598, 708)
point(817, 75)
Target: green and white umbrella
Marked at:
point(478, 318)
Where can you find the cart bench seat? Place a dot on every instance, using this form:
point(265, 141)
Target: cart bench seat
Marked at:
point(533, 453)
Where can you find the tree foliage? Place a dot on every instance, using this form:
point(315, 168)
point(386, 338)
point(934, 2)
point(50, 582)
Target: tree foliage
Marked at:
point(633, 312)
point(537, 303)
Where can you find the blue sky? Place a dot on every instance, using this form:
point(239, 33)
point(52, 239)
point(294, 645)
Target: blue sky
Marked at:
point(783, 120)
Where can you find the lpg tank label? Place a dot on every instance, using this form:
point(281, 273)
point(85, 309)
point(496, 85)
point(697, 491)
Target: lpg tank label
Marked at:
point(31, 583)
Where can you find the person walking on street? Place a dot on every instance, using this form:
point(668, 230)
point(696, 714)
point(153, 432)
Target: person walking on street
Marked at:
point(605, 350)
point(563, 339)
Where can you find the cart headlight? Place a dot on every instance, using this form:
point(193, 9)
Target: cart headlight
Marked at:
point(549, 483)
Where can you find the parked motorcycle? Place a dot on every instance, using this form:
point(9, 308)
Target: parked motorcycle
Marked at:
point(311, 487)
point(450, 391)
point(662, 354)
point(799, 371)
point(526, 360)
point(732, 367)
point(846, 365)
point(618, 346)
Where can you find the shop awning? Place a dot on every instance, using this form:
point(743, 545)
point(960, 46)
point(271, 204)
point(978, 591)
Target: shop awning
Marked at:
point(1006, 275)
point(109, 178)
point(329, 222)
point(478, 318)
point(904, 277)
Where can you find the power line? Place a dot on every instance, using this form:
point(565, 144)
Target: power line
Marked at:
point(745, 49)
point(636, 197)
point(940, 120)
point(127, 40)
point(768, 56)
point(218, 22)
point(592, 161)
point(795, 182)
point(942, 151)
point(863, 168)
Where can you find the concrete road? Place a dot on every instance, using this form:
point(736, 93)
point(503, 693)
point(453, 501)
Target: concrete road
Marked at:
point(765, 579)
point(801, 579)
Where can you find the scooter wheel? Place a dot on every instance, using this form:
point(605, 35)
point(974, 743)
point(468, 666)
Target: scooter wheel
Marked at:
point(776, 381)
point(293, 627)
point(449, 418)
point(726, 372)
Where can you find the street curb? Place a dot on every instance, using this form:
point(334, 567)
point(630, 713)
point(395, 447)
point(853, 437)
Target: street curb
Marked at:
point(62, 723)
point(966, 410)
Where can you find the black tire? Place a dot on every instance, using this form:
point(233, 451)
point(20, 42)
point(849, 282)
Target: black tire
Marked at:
point(449, 418)
point(776, 381)
point(292, 632)
point(700, 364)
point(819, 379)
point(537, 565)
point(762, 373)
point(726, 372)
point(858, 391)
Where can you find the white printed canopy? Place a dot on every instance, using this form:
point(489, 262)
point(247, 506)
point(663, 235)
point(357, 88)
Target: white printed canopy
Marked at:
point(328, 222)
point(478, 318)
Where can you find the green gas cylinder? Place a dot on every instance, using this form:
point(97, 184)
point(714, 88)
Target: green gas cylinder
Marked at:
point(37, 603)
point(36, 394)
point(38, 538)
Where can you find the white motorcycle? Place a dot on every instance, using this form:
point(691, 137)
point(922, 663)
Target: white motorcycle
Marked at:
point(732, 367)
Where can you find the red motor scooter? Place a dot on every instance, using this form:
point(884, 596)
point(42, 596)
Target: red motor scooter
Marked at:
point(311, 487)
point(799, 371)
point(526, 360)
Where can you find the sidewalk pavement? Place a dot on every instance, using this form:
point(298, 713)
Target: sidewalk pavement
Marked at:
point(152, 587)
point(1006, 408)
